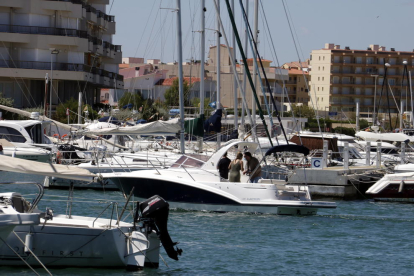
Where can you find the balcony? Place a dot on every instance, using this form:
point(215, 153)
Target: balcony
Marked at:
point(91, 14)
point(101, 77)
point(70, 1)
point(19, 29)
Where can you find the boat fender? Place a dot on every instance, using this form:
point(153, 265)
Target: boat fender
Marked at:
point(28, 243)
point(58, 157)
point(401, 188)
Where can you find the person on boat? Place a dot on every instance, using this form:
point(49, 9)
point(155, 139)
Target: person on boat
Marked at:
point(254, 167)
point(235, 167)
point(223, 166)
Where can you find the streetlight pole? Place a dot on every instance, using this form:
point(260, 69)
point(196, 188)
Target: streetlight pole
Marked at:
point(374, 115)
point(53, 52)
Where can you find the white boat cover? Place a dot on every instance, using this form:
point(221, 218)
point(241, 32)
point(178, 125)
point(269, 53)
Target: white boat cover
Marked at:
point(170, 127)
point(59, 124)
point(387, 136)
point(18, 165)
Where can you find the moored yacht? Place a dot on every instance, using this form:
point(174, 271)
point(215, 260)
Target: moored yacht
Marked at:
point(193, 184)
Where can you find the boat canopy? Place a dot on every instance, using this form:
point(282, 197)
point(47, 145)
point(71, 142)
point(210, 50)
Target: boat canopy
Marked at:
point(289, 148)
point(170, 127)
point(18, 165)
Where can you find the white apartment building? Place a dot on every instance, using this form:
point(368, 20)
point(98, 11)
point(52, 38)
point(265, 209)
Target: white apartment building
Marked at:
point(70, 40)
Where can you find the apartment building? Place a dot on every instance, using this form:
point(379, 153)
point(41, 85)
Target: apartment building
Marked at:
point(70, 40)
point(297, 84)
point(227, 78)
point(341, 77)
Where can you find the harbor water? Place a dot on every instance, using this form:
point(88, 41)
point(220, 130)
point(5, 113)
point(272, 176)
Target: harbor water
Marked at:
point(360, 237)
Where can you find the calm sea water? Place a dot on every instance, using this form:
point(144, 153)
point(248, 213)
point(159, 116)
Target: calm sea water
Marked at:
point(358, 238)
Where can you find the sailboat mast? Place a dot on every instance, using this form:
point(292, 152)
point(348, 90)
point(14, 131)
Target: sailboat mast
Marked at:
point(218, 104)
point(255, 38)
point(244, 71)
point(180, 75)
point(202, 58)
point(236, 106)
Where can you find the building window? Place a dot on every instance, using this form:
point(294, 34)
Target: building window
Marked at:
point(323, 68)
point(319, 78)
point(323, 78)
point(323, 57)
point(319, 57)
point(318, 88)
point(319, 68)
point(322, 88)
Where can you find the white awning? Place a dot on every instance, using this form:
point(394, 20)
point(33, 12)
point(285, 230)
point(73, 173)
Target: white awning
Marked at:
point(170, 127)
point(18, 165)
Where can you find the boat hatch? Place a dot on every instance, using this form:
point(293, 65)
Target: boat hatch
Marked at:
point(187, 162)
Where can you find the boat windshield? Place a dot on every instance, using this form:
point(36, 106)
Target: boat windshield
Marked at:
point(187, 162)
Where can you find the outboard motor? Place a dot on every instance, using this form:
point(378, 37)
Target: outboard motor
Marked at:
point(157, 209)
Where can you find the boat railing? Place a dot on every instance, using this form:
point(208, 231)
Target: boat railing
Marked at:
point(114, 208)
point(154, 167)
point(37, 199)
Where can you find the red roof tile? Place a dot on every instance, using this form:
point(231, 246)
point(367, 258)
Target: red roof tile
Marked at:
point(297, 72)
point(169, 82)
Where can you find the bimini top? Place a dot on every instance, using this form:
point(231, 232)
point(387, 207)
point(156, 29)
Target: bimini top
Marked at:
point(289, 148)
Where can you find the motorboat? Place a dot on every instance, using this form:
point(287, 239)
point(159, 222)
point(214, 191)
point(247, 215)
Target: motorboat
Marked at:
point(25, 139)
point(194, 184)
point(394, 187)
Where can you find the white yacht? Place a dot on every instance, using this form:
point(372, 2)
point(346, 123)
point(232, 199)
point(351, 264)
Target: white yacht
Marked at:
point(25, 139)
point(193, 184)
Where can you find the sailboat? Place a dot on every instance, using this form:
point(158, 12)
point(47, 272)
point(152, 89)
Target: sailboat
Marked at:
point(79, 241)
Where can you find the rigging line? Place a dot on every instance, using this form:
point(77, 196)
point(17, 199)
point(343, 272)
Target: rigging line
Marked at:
point(236, 33)
point(278, 65)
point(152, 42)
point(21, 258)
point(300, 65)
point(145, 28)
point(158, 35)
point(253, 47)
point(234, 71)
point(248, 27)
point(395, 101)
point(294, 30)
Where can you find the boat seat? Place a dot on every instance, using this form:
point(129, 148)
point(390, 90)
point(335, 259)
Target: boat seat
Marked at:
point(282, 187)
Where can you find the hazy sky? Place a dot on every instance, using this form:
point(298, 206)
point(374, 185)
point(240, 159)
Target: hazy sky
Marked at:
point(145, 30)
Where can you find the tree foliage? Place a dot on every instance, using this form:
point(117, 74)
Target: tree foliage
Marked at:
point(131, 98)
point(72, 104)
point(302, 111)
point(196, 103)
point(7, 102)
point(172, 94)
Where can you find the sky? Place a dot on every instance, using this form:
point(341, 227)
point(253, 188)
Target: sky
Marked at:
point(148, 28)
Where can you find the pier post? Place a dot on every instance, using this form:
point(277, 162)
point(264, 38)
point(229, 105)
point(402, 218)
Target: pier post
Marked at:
point(346, 156)
point(325, 154)
point(378, 155)
point(402, 156)
point(368, 154)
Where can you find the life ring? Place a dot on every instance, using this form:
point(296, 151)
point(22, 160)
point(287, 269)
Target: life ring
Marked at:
point(58, 157)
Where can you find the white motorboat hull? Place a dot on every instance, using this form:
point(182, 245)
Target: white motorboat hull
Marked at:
point(223, 196)
point(244, 208)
